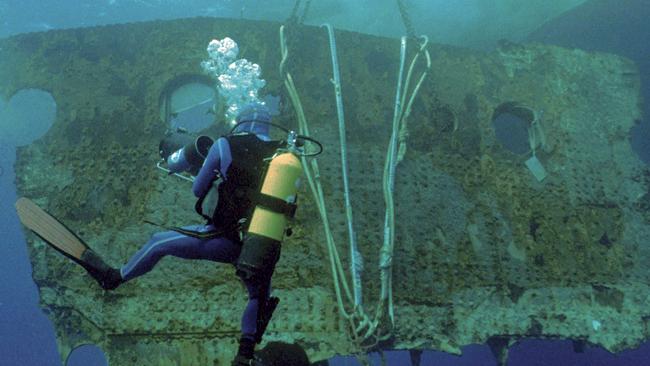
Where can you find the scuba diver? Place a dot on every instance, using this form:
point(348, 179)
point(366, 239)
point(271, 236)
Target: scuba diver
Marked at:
point(246, 189)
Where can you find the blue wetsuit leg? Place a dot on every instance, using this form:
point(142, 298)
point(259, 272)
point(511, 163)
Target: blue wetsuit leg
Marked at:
point(219, 250)
point(172, 243)
point(257, 293)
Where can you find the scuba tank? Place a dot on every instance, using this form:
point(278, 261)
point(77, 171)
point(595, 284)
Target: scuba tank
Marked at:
point(274, 205)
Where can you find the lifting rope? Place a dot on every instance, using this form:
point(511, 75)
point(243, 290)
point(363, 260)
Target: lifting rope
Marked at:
point(357, 261)
point(294, 18)
point(365, 332)
point(406, 19)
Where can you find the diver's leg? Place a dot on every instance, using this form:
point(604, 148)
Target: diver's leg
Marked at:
point(172, 243)
point(258, 294)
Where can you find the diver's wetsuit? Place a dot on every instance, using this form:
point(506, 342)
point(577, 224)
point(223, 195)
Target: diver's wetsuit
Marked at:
point(221, 249)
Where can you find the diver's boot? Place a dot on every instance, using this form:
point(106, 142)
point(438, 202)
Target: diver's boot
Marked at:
point(244, 361)
point(245, 354)
point(106, 276)
point(112, 279)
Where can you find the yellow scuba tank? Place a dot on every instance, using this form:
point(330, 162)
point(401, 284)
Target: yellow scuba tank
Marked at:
point(275, 203)
point(281, 181)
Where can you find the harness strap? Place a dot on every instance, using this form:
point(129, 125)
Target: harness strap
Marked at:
point(198, 234)
point(275, 204)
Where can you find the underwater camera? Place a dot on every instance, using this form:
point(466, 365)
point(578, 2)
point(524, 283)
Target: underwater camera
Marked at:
point(183, 152)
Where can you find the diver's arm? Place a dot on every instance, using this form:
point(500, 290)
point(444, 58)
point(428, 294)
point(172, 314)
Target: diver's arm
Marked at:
point(211, 166)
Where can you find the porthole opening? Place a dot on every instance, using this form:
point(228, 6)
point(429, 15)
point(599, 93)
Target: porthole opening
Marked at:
point(87, 355)
point(26, 117)
point(511, 123)
point(189, 103)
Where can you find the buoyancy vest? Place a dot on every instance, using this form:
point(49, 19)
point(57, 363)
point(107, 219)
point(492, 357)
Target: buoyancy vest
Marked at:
point(236, 193)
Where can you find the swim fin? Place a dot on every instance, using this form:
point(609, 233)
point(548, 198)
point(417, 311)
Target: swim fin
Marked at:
point(59, 237)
